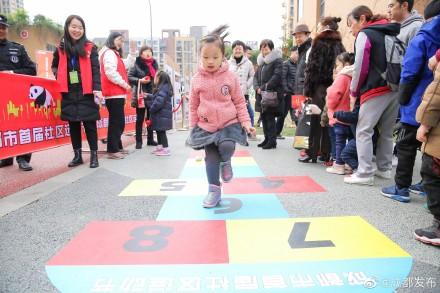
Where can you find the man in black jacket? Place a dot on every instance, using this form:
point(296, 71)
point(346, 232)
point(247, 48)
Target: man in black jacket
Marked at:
point(288, 80)
point(14, 59)
point(304, 42)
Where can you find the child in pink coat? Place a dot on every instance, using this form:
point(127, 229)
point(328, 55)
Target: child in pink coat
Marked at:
point(218, 115)
point(338, 99)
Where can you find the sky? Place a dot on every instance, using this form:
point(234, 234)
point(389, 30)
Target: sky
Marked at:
point(249, 20)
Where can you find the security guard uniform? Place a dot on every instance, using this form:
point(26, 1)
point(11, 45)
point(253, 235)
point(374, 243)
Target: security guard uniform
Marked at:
point(13, 57)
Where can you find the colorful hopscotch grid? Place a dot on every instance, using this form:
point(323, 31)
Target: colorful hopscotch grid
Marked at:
point(245, 244)
point(337, 254)
point(243, 165)
point(232, 206)
point(254, 185)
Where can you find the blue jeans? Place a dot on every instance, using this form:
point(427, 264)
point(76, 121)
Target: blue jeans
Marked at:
point(250, 111)
point(331, 134)
point(349, 154)
point(342, 133)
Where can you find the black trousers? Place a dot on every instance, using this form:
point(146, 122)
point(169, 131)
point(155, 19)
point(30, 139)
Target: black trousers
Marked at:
point(431, 183)
point(116, 124)
point(140, 117)
point(315, 136)
point(26, 157)
point(287, 109)
point(162, 138)
point(91, 133)
point(269, 127)
point(406, 146)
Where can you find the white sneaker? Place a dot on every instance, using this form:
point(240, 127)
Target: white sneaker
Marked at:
point(383, 174)
point(336, 169)
point(355, 179)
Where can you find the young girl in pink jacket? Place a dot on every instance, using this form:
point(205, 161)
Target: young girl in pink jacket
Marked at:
point(338, 99)
point(218, 115)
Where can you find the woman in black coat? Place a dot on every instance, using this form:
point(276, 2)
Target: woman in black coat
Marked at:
point(326, 46)
point(76, 67)
point(268, 77)
point(143, 71)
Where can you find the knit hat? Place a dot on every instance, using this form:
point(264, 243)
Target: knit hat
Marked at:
point(432, 9)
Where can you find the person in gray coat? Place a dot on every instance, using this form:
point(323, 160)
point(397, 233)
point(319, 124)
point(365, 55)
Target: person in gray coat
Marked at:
point(401, 11)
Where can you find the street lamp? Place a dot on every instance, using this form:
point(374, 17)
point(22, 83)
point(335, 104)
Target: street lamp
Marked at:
point(151, 24)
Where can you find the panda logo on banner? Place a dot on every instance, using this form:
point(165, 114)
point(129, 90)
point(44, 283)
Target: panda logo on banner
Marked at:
point(42, 97)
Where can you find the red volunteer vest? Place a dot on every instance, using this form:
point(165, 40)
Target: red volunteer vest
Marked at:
point(109, 88)
point(85, 66)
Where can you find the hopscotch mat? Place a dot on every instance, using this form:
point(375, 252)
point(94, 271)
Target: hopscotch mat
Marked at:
point(246, 244)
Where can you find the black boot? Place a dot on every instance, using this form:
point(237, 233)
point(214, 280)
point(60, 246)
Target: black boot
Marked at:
point(24, 165)
point(150, 137)
point(269, 145)
point(307, 159)
point(94, 159)
point(262, 143)
point(77, 158)
point(138, 145)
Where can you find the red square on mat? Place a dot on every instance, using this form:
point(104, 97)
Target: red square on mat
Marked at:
point(273, 184)
point(147, 243)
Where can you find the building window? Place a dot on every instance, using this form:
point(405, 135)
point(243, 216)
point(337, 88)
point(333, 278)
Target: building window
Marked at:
point(322, 8)
point(300, 9)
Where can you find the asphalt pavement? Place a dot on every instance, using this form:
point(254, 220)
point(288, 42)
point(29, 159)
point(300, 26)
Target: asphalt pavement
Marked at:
point(39, 221)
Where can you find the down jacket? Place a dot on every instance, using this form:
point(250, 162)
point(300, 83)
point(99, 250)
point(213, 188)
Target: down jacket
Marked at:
point(428, 114)
point(161, 109)
point(269, 77)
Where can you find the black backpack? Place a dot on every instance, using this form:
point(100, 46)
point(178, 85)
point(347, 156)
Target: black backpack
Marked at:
point(394, 51)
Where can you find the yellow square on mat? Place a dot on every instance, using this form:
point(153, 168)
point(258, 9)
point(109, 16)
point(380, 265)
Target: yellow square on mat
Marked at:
point(312, 239)
point(165, 187)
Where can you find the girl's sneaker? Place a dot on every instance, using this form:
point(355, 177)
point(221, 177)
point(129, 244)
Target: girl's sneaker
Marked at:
point(157, 149)
point(163, 152)
point(336, 169)
point(213, 197)
point(226, 171)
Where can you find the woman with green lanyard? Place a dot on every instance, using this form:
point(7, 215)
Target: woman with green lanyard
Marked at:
point(76, 67)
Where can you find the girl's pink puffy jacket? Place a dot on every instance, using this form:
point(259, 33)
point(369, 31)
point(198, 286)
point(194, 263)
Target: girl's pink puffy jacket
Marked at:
point(216, 100)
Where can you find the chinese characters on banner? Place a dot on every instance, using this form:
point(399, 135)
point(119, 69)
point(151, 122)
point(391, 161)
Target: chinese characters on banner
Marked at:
point(30, 110)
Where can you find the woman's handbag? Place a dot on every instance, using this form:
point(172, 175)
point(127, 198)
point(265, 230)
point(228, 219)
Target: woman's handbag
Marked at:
point(140, 96)
point(301, 140)
point(269, 99)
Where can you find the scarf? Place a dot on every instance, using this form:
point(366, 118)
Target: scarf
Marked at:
point(149, 63)
point(238, 60)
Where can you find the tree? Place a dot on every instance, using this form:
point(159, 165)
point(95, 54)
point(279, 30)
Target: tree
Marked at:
point(254, 56)
point(42, 22)
point(287, 45)
point(228, 51)
point(19, 19)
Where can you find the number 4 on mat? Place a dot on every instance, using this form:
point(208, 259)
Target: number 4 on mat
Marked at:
point(297, 238)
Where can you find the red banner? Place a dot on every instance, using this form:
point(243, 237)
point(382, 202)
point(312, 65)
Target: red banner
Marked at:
point(30, 115)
